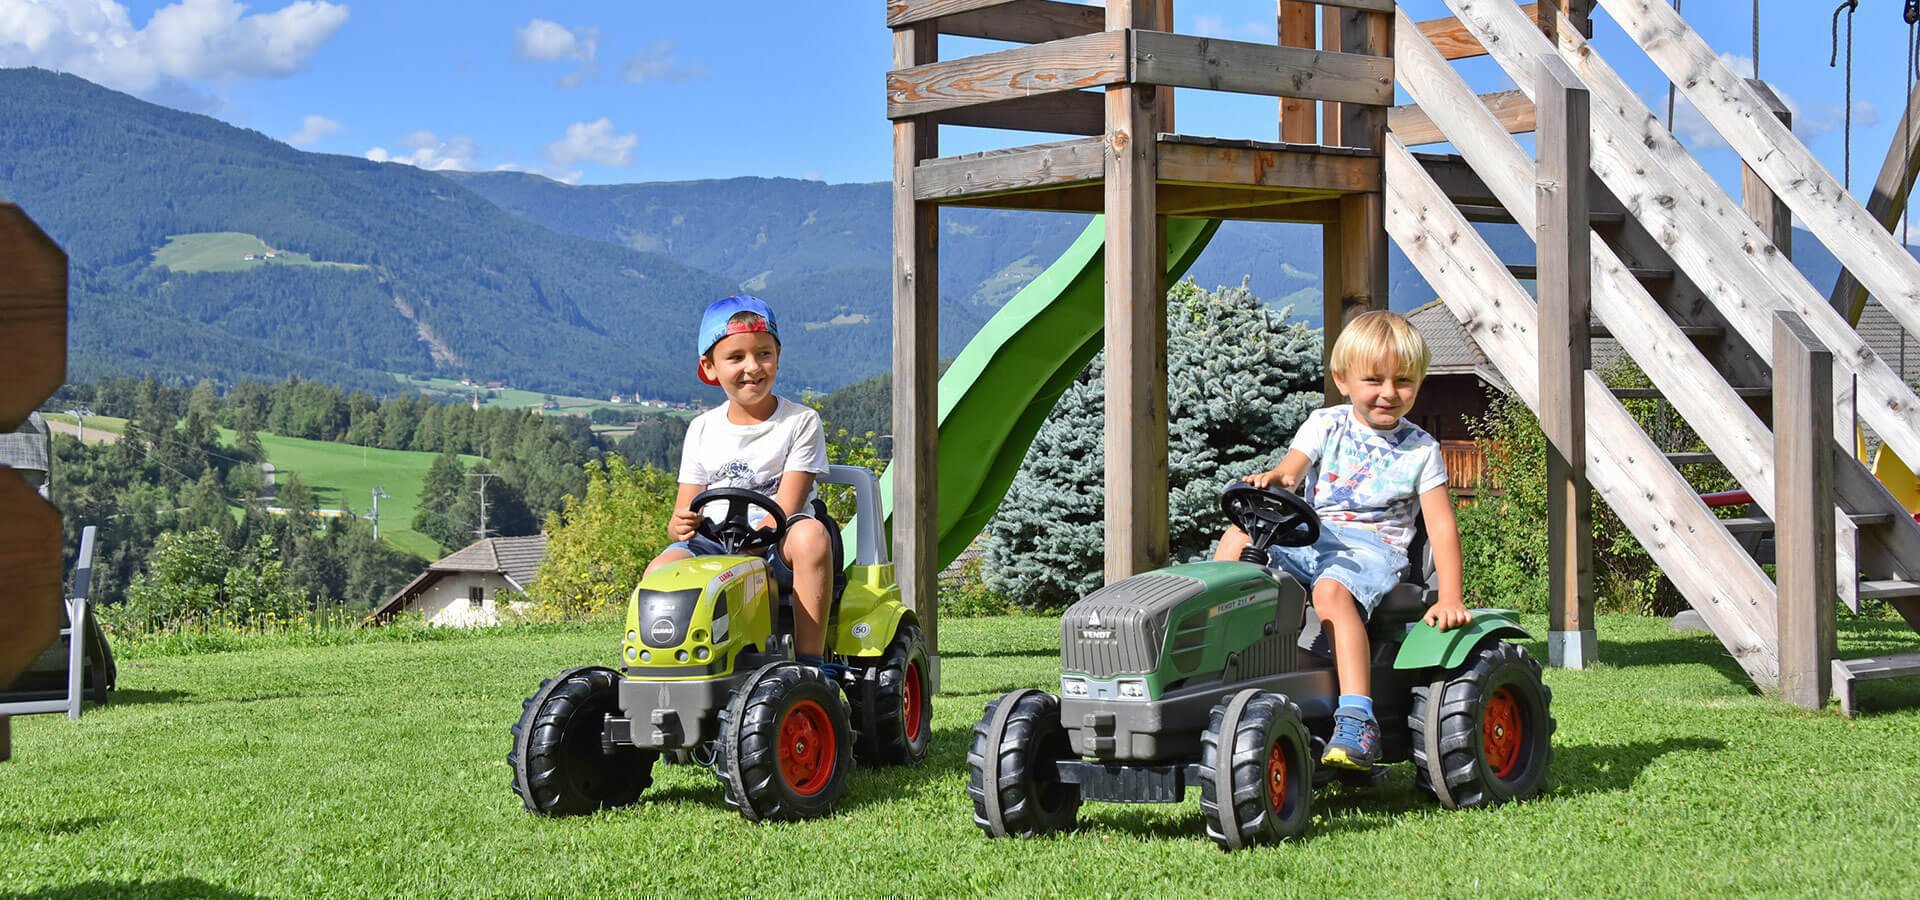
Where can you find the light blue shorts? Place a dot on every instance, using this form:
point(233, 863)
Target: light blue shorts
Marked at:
point(1355, 557)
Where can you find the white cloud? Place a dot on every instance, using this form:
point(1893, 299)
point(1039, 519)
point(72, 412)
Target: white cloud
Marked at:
point(659, 62)
point(1809, 120)
point(190, 40)
point(430, 152)
point(1291, 271)
point(313, 129)
point(543, 40)
point(593, 142)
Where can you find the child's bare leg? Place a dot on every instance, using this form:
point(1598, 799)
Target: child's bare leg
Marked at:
point(1340, 615)
point(1231, 543)
point(666, 556)
point(805, 550)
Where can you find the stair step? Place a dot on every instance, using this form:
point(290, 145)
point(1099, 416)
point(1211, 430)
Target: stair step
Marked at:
point(1890, 589)
point(1654, 393)
point(1695, 332)
point(1476, 212)
point(1643, 273)
point(1848, 671)
point(1691, 457)
point(1764, 525)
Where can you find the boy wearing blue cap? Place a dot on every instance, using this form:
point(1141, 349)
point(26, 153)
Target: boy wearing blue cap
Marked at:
point(763, 442)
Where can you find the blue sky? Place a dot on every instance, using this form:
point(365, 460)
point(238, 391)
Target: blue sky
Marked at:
point(600, 92)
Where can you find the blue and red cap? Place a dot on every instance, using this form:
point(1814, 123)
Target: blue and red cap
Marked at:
point(715, 324)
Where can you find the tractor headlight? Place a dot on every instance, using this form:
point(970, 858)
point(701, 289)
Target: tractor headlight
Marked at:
point(1073, 687)
point(632, 654)
point(646, 656)
point(1133, 689)
point(701, 653)
point(681, 656)
point(633, 637)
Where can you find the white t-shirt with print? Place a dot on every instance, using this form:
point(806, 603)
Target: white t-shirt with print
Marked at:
point(719, 453)
point(1367, 477)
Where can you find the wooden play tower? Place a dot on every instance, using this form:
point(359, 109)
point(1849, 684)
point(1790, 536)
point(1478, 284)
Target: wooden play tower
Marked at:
point(1635, 242)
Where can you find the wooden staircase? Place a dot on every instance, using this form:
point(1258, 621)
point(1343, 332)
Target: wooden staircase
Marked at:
point(1691, 286)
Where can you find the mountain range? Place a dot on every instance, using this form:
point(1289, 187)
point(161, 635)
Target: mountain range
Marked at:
point(350, 271)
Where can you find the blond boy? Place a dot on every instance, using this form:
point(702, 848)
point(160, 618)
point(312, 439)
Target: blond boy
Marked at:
point(1374, 473)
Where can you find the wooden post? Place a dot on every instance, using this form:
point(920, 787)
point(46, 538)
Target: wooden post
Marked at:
point(33, 329)
point(1803, 494)
point(1136, 323)
point(1889, 201)
point(1565, 286)
point(916, 355)
point(1297, 124)
point(1767, 209)
point(1354, 246)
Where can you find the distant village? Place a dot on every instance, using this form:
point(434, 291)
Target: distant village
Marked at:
point(492, 388)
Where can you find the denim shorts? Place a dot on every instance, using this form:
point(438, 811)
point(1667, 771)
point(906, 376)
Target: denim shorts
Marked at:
point(1355, 557)
point(703, 546)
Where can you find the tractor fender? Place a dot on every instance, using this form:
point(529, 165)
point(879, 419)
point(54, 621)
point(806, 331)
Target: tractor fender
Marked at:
point(1429, 647)
point(869, 619)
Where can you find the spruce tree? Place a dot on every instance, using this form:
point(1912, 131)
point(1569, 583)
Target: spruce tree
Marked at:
point(1240, 379)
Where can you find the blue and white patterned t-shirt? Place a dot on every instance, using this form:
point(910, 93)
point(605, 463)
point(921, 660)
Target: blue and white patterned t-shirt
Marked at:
point(1365, 477)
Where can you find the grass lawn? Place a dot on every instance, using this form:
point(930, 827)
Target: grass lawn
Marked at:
point(227, 251)
point(378, 769)
point(343, 475)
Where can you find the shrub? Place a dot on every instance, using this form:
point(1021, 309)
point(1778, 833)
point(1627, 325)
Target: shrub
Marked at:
point(195, 582)
point(598, 545)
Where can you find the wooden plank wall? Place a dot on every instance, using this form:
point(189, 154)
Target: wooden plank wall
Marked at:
point(33, 329)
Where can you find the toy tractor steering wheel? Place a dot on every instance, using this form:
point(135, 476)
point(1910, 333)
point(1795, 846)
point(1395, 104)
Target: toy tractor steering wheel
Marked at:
point(1271, 517)
point(734, 532)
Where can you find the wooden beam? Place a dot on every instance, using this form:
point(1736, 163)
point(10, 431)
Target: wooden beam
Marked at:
point(1023, 21)
point(1374, 6)
point(1414, 127)
point(1296, 28)
point(1888, 202)
point(1068, 64)
point(1803, 489)
point(1220, 65)
point(916, 355)
point(1454, 41)
point(1027, 22)
point(1087, 198)
point(1764, 206)
point(1065, 112)
point(1194, 201)
point(1312, 212)
point(1825, 208)
point(1136, 336)
point(1297, 168)
point(1624, 465)
point(1564, 236)
point(1010, 171)
point(33, 315)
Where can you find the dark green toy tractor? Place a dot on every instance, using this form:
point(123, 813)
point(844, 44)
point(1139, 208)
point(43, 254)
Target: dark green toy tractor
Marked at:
point(707, 675)
point(1216, 675)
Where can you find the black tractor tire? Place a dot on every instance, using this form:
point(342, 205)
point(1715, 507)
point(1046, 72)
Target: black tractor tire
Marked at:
point(1483, 733)
point(893, 705)
point(559, 766)
point(1256, 771)
point(786, 744)
point(1013, 773)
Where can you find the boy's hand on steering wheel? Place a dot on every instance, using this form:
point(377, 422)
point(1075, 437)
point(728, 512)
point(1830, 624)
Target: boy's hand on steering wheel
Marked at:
point(1447, 615)
point(683, 523)
point(1264, 480)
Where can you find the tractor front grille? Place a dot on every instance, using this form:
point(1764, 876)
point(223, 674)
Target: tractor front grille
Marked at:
point(1119, 629)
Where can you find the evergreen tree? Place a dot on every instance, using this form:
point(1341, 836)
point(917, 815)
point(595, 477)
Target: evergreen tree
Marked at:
point(1240, 380)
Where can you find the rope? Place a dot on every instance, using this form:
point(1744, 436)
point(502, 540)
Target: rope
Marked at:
point(1912, 15)
point(1846, 152)
point(1756, 38)
point(1676, 10)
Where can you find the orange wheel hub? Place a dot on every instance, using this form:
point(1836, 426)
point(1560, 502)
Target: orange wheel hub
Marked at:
point(1277, 776)
point(912, 702)
point(808, 748)
point(1503, 733)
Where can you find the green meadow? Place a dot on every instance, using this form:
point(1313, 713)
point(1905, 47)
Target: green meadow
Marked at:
point(377, 768)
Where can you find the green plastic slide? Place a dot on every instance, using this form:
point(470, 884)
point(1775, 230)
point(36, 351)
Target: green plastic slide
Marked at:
point(996, 394)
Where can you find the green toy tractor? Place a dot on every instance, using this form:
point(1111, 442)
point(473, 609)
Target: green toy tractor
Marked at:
point(707, 675)
point(1215, 675)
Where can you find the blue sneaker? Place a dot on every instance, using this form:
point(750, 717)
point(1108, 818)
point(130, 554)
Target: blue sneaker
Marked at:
point(1356, 741)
